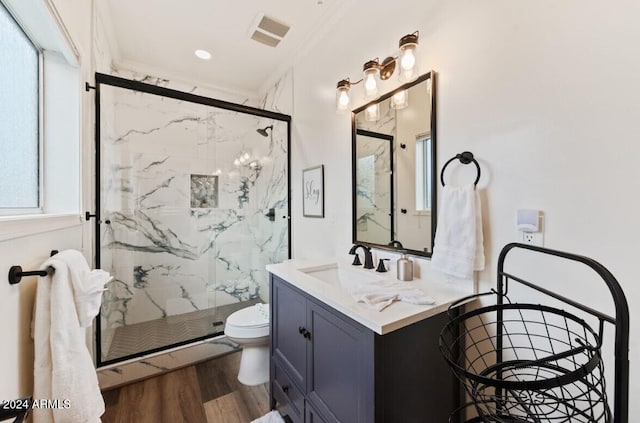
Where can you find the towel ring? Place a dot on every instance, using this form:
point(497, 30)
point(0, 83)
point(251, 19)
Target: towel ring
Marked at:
point(465, 157)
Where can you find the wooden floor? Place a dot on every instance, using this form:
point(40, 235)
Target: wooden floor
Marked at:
point(208, 392)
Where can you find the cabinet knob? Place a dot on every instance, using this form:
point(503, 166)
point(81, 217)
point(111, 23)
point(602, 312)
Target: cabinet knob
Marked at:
point(285, 389)
point(304, 332)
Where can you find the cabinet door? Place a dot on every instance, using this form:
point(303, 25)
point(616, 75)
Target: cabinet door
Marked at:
point(340, 381)
point(289, 346)
point(311, 415)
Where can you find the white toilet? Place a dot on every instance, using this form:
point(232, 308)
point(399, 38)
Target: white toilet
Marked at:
point(249, 328)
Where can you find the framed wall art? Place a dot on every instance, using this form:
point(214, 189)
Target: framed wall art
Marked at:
point(313, 192)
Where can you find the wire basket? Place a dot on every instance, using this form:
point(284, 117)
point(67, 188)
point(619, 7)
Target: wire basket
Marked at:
point(467, 413)
point(541, 364)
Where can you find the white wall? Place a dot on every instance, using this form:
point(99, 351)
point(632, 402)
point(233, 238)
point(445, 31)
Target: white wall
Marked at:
point(16, 301)
point(545, 94)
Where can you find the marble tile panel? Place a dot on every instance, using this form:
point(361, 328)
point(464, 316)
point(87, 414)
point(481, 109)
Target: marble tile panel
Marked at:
point(168, 256)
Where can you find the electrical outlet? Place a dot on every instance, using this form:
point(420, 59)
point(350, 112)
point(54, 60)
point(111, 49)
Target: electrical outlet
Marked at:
point(533, 238)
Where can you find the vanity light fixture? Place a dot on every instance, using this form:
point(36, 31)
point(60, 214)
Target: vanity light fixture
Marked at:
point(408, 45)
point(374, 70)
point(342, 95)
point(369, 72)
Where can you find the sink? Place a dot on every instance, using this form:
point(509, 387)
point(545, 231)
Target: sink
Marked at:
point(336, 274)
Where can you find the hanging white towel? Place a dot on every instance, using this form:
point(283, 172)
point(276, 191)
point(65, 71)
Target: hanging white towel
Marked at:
point(63, 367)
point(459, 247)
point(88, 295)
point(380, 294)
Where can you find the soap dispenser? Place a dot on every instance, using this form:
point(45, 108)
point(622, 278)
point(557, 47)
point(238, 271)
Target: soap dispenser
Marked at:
point(405, 268)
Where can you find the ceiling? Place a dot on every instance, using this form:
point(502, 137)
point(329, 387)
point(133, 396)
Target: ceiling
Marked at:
point(162, 35)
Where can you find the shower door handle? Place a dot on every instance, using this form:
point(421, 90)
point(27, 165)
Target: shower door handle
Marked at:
point(271, 215)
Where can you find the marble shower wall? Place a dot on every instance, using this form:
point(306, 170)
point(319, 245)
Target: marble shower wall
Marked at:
point(187, 227)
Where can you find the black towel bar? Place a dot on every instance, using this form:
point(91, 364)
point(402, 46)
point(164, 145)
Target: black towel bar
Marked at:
point(16, 273)
point(465, 157)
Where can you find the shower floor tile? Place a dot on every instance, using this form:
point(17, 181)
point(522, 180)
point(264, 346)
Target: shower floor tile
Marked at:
point(146, 336)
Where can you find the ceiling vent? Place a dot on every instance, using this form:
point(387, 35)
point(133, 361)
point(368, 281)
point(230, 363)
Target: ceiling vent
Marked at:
point(269, 31)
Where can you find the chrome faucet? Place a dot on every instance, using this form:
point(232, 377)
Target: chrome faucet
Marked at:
point(368, 258)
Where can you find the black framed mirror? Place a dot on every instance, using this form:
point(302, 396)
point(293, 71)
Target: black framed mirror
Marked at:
point(394, 169)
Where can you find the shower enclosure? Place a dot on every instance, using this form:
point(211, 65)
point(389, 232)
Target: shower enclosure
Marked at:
point(192, 201)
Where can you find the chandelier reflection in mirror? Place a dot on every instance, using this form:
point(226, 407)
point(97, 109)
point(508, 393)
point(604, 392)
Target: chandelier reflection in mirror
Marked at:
point(373, 70)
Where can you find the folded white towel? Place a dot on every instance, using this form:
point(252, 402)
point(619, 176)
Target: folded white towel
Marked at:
point(379, 295)
point(63, 368)
point(272, 417)
point(458, 248)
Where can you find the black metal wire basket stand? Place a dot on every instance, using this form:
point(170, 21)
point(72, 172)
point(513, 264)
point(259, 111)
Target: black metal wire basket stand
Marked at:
point(522, 362)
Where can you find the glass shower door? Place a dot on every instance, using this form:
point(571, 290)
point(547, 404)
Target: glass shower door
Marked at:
point(193, 205)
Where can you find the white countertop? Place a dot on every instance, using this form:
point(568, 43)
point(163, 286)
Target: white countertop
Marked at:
point(443, 290)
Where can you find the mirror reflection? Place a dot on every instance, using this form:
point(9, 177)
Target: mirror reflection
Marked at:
point(394, 169)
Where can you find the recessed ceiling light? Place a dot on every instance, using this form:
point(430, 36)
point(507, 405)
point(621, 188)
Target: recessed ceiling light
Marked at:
point(203, 54)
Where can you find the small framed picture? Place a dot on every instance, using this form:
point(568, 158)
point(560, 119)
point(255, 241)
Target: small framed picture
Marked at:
point(313, 192)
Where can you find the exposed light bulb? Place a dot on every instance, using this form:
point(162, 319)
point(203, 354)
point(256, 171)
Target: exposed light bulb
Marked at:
point(342, 95)
point(370, 85)
point(372, 113)
point(408, 60)
point(400, 100)
point(246, 156)
point(343, 99)
point(369, 73)
point(236, 162)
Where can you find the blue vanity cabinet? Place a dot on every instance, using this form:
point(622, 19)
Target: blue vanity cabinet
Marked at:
point(288, 344)
point(340, 366)
point(322, 354)
point(328, 368)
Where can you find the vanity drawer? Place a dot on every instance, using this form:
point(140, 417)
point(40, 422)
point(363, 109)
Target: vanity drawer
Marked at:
point(288, 395)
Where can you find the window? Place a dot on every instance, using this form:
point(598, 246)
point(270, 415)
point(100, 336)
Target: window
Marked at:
point(19, 118)
point(40, 120)
point(423, 172)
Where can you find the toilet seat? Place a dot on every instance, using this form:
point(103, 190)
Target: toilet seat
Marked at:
point(249, 322)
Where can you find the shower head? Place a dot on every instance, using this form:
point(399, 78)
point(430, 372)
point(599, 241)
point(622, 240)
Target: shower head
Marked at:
point(263, 131)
